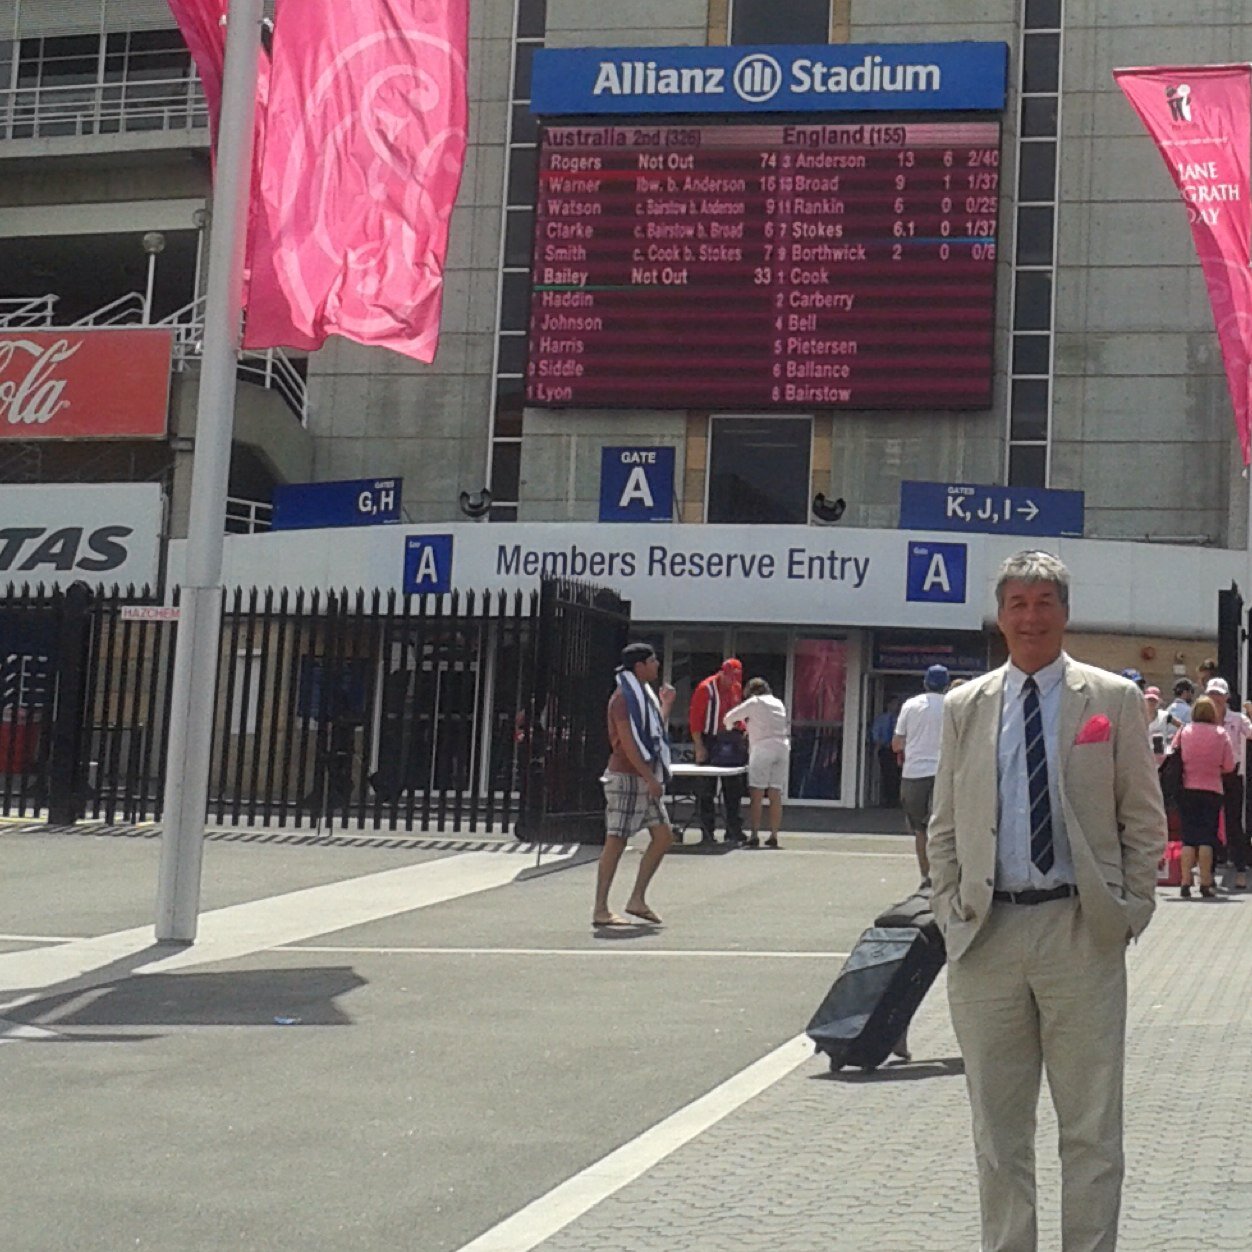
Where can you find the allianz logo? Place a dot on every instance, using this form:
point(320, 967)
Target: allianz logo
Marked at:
point(759, 77)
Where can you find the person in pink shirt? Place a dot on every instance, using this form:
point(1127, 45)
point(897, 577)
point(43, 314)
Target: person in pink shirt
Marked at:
point(1206, 757)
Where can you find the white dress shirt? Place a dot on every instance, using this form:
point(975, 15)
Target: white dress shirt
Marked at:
point(1238, 728)
point(1015, 871)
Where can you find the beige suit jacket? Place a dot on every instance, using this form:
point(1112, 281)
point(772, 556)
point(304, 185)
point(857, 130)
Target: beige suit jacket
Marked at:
point(1114, 815)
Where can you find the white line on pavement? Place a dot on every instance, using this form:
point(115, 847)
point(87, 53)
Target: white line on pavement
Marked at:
point(259, 925)
point(595, 952)
point(568, 1201)
point(40, 938)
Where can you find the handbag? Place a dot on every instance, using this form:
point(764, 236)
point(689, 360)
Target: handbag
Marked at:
point(1169, 772)
point(729, 749)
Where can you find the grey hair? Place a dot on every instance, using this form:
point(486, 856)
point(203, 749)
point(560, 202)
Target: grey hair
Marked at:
point(1033, 567)
point(757, 687)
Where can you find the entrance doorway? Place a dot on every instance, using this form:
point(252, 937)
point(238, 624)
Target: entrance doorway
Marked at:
point(816, 678)
point(885, 694)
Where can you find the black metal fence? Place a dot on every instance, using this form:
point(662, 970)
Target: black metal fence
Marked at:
point(449, 713)
point(84, 696)
point(376, 711)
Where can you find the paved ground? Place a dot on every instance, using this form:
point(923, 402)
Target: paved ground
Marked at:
point(420, 1044)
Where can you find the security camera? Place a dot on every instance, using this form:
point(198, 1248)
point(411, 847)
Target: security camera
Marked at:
point(828, 510)
point(476, 506)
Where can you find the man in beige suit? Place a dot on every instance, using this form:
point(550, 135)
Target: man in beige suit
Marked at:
point(1044, 838)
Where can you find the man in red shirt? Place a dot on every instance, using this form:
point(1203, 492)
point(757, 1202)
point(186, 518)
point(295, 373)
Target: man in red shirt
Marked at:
point(714, 696)
point(634, 786)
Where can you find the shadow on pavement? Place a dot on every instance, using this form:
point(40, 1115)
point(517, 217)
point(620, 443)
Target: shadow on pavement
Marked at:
point(265, 997)
point(632, 930)
point(913, 1071)
point(584, 856)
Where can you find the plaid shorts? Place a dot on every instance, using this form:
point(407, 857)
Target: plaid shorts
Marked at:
point(628, 808)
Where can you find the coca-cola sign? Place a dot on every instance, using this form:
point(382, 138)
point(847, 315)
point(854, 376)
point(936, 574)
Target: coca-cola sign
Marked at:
point(85, 384)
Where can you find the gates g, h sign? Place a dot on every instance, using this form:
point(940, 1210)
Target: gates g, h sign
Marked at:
point(350, 502)
point(104, 534)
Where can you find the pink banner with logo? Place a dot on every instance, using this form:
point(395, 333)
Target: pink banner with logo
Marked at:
point(365, 146)
point(1199, 116)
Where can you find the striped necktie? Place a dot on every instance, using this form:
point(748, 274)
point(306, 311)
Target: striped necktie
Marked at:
point(1041, 851)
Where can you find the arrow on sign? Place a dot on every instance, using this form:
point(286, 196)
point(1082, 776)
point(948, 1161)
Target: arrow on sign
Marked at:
point(1031, 510)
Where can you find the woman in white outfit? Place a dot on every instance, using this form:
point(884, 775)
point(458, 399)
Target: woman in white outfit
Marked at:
point(769, 754)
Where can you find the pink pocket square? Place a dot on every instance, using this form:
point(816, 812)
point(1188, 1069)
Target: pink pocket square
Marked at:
point(1098, 729)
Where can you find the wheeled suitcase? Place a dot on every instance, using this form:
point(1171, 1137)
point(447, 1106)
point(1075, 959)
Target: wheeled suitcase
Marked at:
point(871, 1003)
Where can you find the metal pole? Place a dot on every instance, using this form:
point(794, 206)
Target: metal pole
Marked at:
point(147, 299)
point(196, 659)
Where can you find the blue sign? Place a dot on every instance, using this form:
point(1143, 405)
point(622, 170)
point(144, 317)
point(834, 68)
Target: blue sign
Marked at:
point(992, 510)
point(355, 502)
point(785, 79)
point(636, 484)
point(427, 565)
point(937, 573)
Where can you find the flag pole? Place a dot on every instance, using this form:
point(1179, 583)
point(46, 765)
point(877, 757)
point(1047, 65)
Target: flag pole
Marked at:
point(189, 731)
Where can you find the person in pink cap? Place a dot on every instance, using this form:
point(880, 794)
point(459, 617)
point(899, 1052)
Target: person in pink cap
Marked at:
point(1158, 721)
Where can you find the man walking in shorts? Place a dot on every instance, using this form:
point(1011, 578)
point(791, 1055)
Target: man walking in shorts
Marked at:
point(918, 731)
point(634, 780)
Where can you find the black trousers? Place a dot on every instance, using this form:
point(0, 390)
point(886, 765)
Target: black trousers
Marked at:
point(890, 769)
point(1236, 834)
point(734, 787)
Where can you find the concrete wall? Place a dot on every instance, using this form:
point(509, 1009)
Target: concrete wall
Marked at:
point(633, 23)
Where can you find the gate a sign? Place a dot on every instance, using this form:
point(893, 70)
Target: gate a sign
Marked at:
point(636, 484)
point(937, 573)
point(427, 565)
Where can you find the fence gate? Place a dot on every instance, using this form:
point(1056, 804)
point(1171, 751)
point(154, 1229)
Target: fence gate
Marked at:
point(84, 695)
point(460, 713)
point(582, 630)
point(347, 709)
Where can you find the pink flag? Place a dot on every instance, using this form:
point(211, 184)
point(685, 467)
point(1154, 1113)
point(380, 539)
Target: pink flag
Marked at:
point(202, 23)
point(366, 141)
point(1199, 117)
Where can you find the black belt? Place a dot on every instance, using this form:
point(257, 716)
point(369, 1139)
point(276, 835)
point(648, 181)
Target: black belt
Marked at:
point(1065, 892)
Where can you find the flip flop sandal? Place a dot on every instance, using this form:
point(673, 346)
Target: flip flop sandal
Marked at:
point(646, 915)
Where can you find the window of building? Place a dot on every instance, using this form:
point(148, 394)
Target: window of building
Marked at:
point(779, 21)
point(1034, 259)
point(505, 461)
point(759, 469)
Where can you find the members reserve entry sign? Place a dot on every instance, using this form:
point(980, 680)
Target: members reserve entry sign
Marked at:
point(825, 263)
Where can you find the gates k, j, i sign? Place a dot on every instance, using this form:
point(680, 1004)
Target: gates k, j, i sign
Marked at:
point(85, 384)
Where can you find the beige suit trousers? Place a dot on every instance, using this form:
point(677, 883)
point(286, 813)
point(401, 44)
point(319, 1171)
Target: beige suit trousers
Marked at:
point(1034, 991)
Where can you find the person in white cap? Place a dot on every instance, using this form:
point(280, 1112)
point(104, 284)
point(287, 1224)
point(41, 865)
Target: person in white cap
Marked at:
point(1238, 727)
